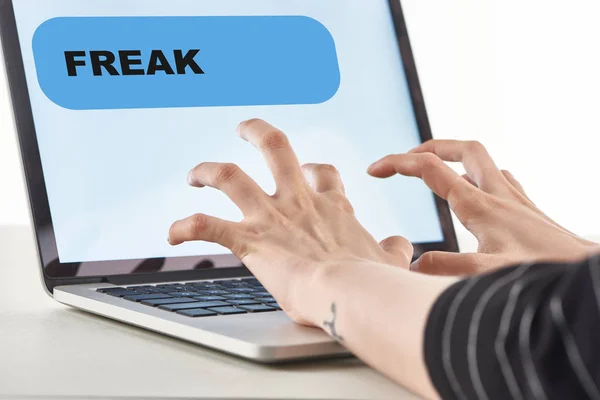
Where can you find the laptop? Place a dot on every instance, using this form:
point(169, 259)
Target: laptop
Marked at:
point(115, 101)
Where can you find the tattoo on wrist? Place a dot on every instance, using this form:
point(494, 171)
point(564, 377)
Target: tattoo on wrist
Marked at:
point(331, 324)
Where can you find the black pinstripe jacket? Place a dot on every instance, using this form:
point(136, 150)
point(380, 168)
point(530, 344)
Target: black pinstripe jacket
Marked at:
point(526, 332)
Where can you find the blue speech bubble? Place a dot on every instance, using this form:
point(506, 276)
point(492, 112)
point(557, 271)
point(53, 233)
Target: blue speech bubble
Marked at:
point(162, 62)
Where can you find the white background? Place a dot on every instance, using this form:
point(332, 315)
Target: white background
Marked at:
point(520, 76)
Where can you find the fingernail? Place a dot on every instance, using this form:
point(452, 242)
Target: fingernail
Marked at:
point(191, 179)
point(372, 166)
point(238, 130)
point(415, 265)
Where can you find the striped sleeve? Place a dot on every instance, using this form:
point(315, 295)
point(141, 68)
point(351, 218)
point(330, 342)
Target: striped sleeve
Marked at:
point(525, 332)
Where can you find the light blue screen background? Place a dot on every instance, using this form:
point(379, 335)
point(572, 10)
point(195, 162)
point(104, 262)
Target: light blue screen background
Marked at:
point(116, 179)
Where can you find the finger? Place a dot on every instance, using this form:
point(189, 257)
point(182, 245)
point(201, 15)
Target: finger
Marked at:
point(442, 263)
point(277, 151)
point(513, 181)
point(462, 196)
point(398, 246)
point(232, 181)
point(473, 155)
point(517, 185)
point(209, 229)
point(323, 177)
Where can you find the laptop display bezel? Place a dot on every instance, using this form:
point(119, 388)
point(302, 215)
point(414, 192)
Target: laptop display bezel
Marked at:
point(56, 273)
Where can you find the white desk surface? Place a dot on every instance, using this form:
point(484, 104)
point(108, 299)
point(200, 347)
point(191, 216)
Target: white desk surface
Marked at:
point(48, 350)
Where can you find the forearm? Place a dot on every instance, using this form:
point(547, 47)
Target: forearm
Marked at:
point(381, 313)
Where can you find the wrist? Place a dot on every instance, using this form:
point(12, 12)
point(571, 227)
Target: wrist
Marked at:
point(332, 282)
point(315, 294)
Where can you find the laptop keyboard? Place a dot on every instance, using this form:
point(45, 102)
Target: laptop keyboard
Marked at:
point(201, 299)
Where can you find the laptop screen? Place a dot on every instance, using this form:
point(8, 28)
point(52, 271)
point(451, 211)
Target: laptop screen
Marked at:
point(127, 96)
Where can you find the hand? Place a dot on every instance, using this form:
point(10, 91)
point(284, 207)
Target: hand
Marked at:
point(490, 203)
point(284, 239)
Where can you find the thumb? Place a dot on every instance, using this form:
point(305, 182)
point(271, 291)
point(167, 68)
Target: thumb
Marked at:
point(399, 247)
point(443, 263)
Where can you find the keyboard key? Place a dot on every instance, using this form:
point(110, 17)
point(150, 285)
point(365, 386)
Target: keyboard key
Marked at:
point(238, 296)
point(144, 291)
point(240, 284)
point(258, 308)
point(261, 294)
point(198, 304)
point(212, 292)
point(207, 286)
point(242, 290)
point(109, 290)
point(172, 300)
point(209, 298)
point(122, 293)
point(276, 305)
point(266, 299)
point(250, 280)
point(157, 290)
point(140, 297)
point(243, 302)
point(183, 294)
point(173, 288)
point(188, 288)
point(144, 287)
point(169, 285)
point(199, 312)
point(231, 284)
point(228, 310)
